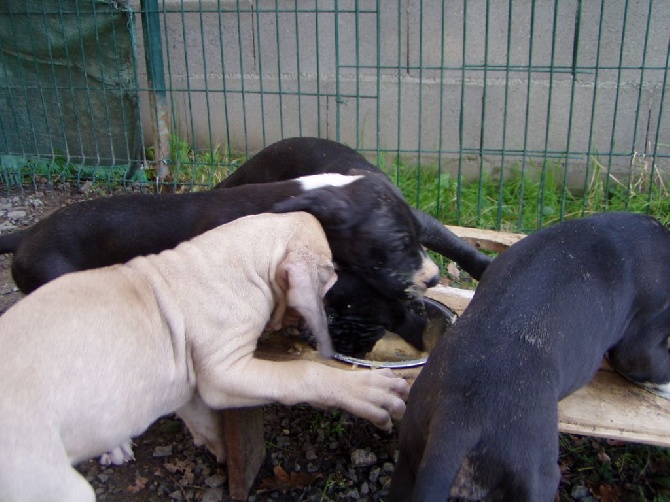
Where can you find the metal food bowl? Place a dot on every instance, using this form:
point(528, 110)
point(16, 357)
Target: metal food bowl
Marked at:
point(394, 352)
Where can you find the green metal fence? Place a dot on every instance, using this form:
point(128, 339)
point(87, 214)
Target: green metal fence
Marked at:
point(504, 114)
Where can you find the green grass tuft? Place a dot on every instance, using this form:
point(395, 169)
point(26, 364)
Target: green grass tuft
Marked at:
point(527, 200)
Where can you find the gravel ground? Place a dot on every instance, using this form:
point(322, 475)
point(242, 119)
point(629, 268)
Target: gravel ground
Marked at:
point(312, 454)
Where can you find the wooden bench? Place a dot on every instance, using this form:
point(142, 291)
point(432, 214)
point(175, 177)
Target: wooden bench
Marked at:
point(610, 406)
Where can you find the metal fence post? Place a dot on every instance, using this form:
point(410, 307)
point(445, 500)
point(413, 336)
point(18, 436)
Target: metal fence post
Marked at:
point(153, 53)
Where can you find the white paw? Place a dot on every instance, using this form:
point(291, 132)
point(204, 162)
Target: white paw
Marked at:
point(119, 455)
point(378, 396)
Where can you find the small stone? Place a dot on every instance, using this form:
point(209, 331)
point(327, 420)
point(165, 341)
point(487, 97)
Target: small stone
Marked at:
point(175, 495)
point(365, 488)
point(579, 492)
point(5, 225)
point(103, 478)
point(163, 451)
point(215, 481)
point(311, 468)
point(310, 455)
point(213, 495)
point(86, 187)
point(16, 215)
point(363, 458)
point(388, 467)
point(374, 474)
point(283, 442)
point(352, 494)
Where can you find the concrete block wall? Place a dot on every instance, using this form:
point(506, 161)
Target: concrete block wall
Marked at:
point(467, 79)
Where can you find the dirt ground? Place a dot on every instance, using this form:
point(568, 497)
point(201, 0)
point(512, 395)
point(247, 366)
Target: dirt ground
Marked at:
point(311, 454)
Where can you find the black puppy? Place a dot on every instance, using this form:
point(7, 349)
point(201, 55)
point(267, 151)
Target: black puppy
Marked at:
point(482, 417)
point(358, 316)
point(366, 231)
point(294, 157)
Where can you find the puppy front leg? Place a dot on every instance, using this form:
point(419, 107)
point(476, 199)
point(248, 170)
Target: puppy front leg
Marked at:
point(205, 426)
point(376, 395)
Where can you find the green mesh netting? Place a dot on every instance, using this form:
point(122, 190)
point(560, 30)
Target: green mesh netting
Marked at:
point(67, 85)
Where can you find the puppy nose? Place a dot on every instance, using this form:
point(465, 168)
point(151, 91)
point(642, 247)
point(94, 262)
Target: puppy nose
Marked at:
point(433, 281)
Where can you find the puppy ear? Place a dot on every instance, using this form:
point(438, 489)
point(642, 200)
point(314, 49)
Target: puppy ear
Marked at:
point(330, 205)
point(305, 280)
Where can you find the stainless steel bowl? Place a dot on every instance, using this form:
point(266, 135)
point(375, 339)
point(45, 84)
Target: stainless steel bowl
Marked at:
point(393, 352)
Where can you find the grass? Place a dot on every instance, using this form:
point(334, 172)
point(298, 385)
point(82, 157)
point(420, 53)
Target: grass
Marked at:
point(613, 470)
point(527, 200)
point(521, 201)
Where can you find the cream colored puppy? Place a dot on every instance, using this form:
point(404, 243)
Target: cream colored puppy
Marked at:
point(92, 358)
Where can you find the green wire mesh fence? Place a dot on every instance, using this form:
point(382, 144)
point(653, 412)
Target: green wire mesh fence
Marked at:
point(504, 114)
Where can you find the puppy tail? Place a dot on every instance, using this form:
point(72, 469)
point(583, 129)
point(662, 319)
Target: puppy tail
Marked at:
point(9, 243)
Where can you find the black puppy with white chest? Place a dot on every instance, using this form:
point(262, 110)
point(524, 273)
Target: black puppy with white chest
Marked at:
point(366, 233)
point(359, 314)
point(482, 417)
point(302, 156)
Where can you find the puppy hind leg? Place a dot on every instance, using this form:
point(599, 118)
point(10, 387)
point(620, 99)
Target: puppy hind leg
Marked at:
point(41, 479)
point(119, 455)
point(402, 481)
point(441, 468)
point(533, 483)
point(72, 487)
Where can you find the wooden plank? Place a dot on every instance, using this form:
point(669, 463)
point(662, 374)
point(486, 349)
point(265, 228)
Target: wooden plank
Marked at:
point(489, 240)
point(245, 448)
point(612, 407)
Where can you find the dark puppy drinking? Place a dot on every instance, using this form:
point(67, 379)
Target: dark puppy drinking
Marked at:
point(294, 157)
point(359, 316)
point(482, 416)
point(366, 231)
point(354, 307)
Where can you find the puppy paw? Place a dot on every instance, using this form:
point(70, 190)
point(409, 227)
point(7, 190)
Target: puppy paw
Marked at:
point(119, 455)
point(379, 396)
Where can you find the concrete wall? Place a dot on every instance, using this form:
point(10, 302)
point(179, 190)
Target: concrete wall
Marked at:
point(423, 77)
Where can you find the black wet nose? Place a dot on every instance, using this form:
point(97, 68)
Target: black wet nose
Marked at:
point(433, 281)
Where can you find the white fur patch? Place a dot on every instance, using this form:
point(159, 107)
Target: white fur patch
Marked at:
point(661, 389)
point(119, 455)
point(324, 180)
